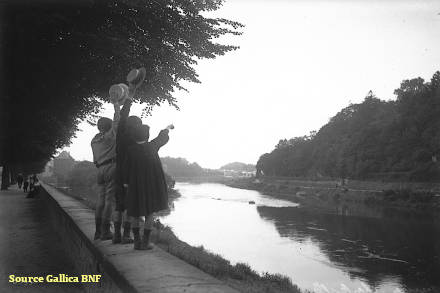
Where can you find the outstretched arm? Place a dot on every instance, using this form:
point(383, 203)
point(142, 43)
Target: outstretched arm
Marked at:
point(126, 108)
point(161, 139)
point(116, 117)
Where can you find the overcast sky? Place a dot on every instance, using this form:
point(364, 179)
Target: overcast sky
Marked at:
point(300, 62)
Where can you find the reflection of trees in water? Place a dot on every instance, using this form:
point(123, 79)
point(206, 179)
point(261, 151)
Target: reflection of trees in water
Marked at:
point(368, 248)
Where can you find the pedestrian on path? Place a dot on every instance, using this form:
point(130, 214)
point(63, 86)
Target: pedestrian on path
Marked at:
point(32, 181)
point(20, 180)
point(26, 184)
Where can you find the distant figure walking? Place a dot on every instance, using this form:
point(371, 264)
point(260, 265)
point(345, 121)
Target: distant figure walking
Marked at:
point(20, 180)
point(147, 190)
point(32, 181)
point(26, 184)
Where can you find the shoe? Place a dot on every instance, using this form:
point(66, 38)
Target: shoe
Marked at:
point(98, 223)
point(105, 233)
point(126, 239)
point(145, 243)
point(138, 243)
point(117, 235)
point(97, 235)
point(117, 238)
point(107, 236)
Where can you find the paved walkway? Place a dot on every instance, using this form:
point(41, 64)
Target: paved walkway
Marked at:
point(28, 246)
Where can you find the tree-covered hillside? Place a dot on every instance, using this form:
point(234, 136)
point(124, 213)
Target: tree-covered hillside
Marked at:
point(180, 167)
point(376, 139)
point(239, 167)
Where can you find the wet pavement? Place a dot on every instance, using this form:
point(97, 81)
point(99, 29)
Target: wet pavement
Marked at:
point(29, 247)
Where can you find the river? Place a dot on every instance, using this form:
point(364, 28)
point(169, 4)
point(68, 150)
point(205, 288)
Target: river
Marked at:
point(335, 250)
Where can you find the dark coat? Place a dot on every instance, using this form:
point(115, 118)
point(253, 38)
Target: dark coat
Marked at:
point(147, 189)
point(123, 141)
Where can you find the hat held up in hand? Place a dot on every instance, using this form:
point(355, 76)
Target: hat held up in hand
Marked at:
point(136, 76)
point(118, 93)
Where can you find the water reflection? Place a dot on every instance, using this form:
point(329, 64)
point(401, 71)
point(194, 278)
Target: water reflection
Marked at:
point(377, 250)
point(318, 250)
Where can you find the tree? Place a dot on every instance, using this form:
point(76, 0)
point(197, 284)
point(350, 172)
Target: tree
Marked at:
point(239, 167)
point(373, 139)
point(180, 167)
point(61, 58)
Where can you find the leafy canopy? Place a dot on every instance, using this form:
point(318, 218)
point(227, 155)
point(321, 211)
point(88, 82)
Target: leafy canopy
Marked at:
point(375, 139)
point(61, 58)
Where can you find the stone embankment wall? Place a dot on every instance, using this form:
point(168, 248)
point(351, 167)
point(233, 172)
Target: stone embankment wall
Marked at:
point(122, 268)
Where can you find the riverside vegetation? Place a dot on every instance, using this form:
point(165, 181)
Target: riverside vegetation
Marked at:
point(373, 140)
point(82, 186)
point(328, 193)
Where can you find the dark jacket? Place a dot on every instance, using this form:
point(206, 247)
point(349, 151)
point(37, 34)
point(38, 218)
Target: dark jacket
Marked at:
point(123, 141)
point(147, 188)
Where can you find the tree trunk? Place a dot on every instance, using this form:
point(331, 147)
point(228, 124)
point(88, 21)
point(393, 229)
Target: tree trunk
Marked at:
point(5, 178)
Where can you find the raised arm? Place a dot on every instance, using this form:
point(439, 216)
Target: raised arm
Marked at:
point(116, 117)
point(161, 139)
point(124, 115)
point(126, 109)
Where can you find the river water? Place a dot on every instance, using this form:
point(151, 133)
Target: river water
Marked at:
point(342, 249)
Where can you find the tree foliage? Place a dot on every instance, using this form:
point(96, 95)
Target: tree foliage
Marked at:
point(395, 139)
point(239, 167)
point(180, 167)
point(61, 57)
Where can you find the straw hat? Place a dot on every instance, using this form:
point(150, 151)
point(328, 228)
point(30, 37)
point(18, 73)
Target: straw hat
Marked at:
point(136, 76)
point(118, 93)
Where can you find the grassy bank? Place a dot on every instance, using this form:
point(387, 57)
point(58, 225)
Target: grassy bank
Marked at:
point(315, 193)
point(239, 276)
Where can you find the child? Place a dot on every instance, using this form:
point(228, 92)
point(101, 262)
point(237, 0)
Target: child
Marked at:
point(145, 179)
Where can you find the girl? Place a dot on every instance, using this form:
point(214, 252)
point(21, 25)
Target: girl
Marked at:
point(145, 181)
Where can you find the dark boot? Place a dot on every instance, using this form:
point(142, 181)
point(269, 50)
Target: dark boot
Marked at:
point(137, 238)
point(98, 222)
point(126, 236)
point(117, 236)
point(105, 232)
point(145, 243)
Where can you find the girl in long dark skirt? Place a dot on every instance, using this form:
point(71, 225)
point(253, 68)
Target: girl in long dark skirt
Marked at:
point(145, 181)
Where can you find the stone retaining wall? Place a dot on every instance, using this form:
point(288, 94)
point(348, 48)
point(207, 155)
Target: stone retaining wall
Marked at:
point(123, 269)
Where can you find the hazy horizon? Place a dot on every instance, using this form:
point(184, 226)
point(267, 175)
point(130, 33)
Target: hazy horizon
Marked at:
point(299, 64)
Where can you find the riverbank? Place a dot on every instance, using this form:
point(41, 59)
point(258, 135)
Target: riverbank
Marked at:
point(416, 197)
point(204, 179)
point(239, 276)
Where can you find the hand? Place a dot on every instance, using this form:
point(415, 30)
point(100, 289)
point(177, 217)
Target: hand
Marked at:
point(131, 90)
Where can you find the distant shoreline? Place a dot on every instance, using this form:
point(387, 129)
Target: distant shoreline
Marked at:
point(411, 197)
